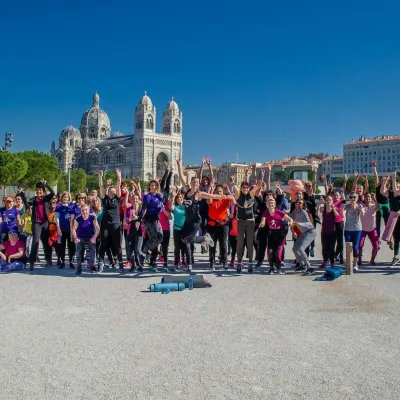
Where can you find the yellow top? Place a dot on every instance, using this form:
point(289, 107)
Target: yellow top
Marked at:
point(27, 221)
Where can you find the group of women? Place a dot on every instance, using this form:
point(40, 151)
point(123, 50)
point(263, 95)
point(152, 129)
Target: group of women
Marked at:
point(251, 218)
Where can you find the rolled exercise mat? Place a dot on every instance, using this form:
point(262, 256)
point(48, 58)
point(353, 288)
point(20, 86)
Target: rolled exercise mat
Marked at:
point(198, 280)
point(333, 273)
point(389, 228)
point(162, 287)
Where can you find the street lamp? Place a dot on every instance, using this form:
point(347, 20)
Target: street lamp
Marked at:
point(8, 140)
point(69, 177)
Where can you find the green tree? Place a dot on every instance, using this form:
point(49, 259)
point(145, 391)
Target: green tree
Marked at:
point(92, 181)
point(78, 181)
point(282, 175)
point(40, 166)
point(12, 168)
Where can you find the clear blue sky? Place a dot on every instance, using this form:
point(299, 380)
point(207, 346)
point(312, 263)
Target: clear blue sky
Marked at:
point(264, 79)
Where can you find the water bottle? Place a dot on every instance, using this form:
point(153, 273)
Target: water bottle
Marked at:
point(59, 239)
point(190, 284)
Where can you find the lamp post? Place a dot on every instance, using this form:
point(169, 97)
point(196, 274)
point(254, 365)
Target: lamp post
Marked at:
point(69, 177)
point(8, 139)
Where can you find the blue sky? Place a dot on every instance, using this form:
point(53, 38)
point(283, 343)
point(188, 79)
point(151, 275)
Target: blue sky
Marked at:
point(259, 79)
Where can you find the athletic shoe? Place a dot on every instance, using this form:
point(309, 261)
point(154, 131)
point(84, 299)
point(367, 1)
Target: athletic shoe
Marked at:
point(172, 269)
point(139, 269)
point(132, 269)
point(373, 263)
point(282, 264)
point(100, 267)
point(92, 268)
point(232, 264)
point(78, 271)
point(224, 265)
point(189, 268)
point(359, 263)
point(153, 268)
point(341, 260)
point(271, 271)
point(259, 264)
point(121, 267)
point(128, 264)
point(239, 267)
point(390, 244)
point(165, 268)
point(299, 267)
point(312, 253)
point(212, 266)
point(71, 265)
point(280, 272)
point(355, 268)
point(308, 272)
point(62, 265)
point(323, 265)
point(48, 263)
point(31, 267)
point(394, 262)
point(250, 268)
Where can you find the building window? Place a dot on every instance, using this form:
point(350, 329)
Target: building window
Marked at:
point(106, 159)
point(93, 160)
point(119, 159)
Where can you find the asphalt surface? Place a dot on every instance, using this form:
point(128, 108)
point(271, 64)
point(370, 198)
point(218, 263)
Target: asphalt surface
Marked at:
point(248, 337)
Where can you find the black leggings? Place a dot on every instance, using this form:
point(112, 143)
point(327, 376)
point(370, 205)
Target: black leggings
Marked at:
point(189, 232)
point(262, 239)
point(179, 247)
point(339, 238)
point(66, 242)
point(328, 247)
point(379, 214)
point(275, 241)
point(110, 237)
point(39, 232)
point(233, 244)
point(218, 234)
point(165, 244)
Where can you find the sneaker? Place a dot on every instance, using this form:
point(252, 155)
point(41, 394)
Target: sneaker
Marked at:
point(121, 267)
point(373, 263)
point(212, 266)
point(250, 268)
point(308, 272)
point(165, 267)
point(100, 268)
point(127, 264)
point(31, 266)
point(172, 269)
point(189, 268)
point(62, 265)
point(323, 264)
point(139, 269)
point(153, 268)
point(312, 253)
point(341, 259)
point(224, 265)
point(71, 265)
point(394, 262)
point(390, 244)
point(282, 264)
point(355, 267)
point(78, 271)
point(280, 272)
point(92, 268)
point(359, 263)
point(208, 239)
point(132, 269)
point(271, 271)
point(239, 268)
point(299, 267)
point(259, 264)
point(232, 264)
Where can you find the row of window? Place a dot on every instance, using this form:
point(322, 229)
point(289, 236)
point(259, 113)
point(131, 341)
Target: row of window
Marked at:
point(106, 159)
point(357, 153)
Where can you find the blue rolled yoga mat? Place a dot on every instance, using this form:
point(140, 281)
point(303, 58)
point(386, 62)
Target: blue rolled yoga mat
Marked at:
point(161, 287)
point(333, 273)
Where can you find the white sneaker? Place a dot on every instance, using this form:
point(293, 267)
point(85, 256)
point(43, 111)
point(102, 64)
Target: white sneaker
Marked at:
point(355, 267)
point(208, 240)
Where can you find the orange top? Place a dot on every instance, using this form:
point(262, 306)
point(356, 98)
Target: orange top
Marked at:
point(218, 211)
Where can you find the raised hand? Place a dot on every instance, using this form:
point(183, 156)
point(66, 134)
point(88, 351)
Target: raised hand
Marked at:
point(269, 167)
point(208, 161)
point(100, 173)
point(277, 184)
point(365, 177)
point(44, 181)
point(345, 178)
point(356, 174)
point(118, 172)
point(179, 161)
point(203, 160)
point(374, 164)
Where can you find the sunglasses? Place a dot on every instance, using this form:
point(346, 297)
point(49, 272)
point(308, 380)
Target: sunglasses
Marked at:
point(352, 197)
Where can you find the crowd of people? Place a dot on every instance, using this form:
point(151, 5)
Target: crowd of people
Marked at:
point(253, 217)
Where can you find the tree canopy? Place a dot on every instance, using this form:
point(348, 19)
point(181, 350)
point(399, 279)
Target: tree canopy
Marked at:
point(12, 168)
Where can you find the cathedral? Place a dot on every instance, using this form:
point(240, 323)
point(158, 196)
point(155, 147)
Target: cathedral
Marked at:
point(143, 154)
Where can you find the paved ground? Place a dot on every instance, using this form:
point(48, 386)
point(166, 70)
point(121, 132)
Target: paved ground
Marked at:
point(248, 337)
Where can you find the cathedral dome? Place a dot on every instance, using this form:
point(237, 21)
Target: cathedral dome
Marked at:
point(145, 100)
point(172, 105)
point(117, 134)
point(70, 131)
point(95, 116)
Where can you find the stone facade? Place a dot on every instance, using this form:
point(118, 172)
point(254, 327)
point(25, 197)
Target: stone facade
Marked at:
point(143, 154)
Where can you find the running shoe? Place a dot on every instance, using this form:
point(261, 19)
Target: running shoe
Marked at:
point(127, 264)
point(62, 265)
point(139, 269)
point(121, 267)
point(308, 272)
point(232, 264)
point(224, 265)
point(312, 253)
point(390, 244)
point(71, 265)
point(189, 268)
point(92, 268)
point(271, 271)
point(359, 263)
point(31, 266)
point(78, 271)
point(373, 263)
point(153, 267)
point(100, 267)
point(165, 267)
point(239, 267)
point(259, 264)
point(250, 268)
point(323, 264)
point(299, 267)
point(172, 269)
point(280, 272)
point(212, 266)
point(394, 262)
point(355, 268)
point(132, 269)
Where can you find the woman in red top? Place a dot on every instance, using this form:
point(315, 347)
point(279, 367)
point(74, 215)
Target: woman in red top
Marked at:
point(218, 225)
point(14, 249)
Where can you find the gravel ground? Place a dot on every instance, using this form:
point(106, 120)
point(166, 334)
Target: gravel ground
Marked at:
point(248, 337)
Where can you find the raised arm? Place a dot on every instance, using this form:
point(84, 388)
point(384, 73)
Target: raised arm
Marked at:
point(376, 176)
point(246, 174)
point(314, 178)
point(119, 181)
point(102, 191)
point(366, 184)
point(164, 178)
point(255, 189)
point(210, 168)
point(203, 160)
point(180, 173)
point(23, 197)
point(51, 193)
point(356, 176)
point(384, 187)
point(269, 170)
point(345, 180)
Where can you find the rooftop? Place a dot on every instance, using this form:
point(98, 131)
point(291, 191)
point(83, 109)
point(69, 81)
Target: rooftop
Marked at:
point(375, 139)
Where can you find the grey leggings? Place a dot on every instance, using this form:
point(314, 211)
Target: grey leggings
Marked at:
point(154, 233)
point(245, 230)
point(299, 248)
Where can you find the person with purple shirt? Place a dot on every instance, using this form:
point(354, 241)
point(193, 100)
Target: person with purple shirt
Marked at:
point(10, 218)
point(84, 232)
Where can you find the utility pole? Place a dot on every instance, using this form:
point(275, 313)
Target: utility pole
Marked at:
point(7, 143)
